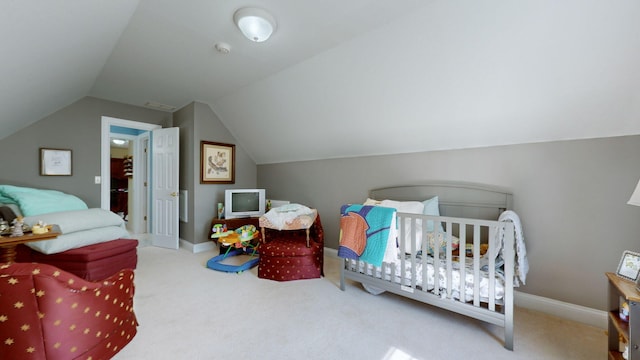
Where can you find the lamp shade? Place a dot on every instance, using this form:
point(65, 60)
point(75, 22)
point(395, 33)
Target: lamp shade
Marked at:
point(635, 197)
point(255, 24)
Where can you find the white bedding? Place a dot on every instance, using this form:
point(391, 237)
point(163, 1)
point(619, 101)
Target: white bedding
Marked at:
point(282, 216)
point(78, 239)
point(79, 228)
point(370, 270)
point(78, 220)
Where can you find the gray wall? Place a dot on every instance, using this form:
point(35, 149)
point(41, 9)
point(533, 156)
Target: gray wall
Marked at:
point(185, 119)
point(197, 123)
point(76, 127)
point(570, 195)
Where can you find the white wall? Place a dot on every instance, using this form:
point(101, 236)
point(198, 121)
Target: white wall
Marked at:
point(451, 75)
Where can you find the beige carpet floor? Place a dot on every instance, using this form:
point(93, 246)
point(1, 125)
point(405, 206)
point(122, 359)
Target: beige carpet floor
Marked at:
point(187, 311)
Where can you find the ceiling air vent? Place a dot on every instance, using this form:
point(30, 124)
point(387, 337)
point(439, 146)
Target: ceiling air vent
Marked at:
point(159, 106)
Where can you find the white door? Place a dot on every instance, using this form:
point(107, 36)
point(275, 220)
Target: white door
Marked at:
point(144, 188)
point(164, 191)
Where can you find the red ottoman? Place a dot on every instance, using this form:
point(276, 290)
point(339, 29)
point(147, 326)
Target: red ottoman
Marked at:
point(284, 255)
point(91, 262)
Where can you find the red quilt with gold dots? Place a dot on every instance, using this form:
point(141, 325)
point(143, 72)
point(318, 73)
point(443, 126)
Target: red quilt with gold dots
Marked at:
point(47, 313)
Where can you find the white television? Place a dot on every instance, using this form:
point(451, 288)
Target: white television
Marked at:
point(239, 203)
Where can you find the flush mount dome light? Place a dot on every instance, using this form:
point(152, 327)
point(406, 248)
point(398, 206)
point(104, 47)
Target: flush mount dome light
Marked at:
point(256, 24)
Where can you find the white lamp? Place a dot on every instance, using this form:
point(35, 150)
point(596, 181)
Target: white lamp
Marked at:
point(635, 197)
point(635, 200)
point(256, 24)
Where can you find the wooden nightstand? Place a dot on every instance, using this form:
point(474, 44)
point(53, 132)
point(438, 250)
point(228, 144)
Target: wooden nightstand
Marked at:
point(621, 290)
point(8, 244)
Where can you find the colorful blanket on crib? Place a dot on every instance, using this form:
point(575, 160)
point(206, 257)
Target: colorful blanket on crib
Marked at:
point(364, 231)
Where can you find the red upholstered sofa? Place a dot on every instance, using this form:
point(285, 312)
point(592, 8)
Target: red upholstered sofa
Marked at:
point(91, 262)
point(47, 313)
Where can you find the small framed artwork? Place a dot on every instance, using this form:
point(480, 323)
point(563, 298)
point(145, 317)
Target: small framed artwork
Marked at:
point(55, 162)
point(629, 266)
point(217, 163)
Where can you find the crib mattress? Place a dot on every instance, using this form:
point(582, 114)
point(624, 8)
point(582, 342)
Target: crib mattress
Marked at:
point(374, 271)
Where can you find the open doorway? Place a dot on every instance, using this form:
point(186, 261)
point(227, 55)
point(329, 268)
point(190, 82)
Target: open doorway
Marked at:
point(125, 191)
point(121, 166)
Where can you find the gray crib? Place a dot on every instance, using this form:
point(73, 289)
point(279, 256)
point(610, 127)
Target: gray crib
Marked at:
point(482, 285)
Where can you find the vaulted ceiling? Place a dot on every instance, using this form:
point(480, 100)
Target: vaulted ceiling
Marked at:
point(338, 78)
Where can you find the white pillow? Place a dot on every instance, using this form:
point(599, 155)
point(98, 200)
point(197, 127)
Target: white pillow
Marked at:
point(371, 202)
point(411, 207)
point(78, 239)
point(432, 207)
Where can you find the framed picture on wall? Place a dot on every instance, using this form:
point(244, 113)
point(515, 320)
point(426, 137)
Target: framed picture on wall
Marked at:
point(55, 162)
point(629, 266)
point(217, 163)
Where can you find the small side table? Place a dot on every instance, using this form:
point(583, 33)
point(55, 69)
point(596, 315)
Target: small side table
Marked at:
point(8, 244)
point(623, 290)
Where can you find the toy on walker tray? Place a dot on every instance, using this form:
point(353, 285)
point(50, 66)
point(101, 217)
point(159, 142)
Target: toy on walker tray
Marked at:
point(240, 240)
point(240, 237)
point(247, 232)
point(219, 230)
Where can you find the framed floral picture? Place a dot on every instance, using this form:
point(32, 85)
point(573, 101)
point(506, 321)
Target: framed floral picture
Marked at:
point(217, 163)
point(629, 266)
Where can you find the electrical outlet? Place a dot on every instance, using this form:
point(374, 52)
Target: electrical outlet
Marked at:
point(98, 180)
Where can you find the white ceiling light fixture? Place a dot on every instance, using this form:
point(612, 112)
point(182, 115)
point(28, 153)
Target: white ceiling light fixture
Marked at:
point(256, 24)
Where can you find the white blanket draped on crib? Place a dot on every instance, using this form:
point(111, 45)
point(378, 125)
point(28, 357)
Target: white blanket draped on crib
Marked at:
point(522, 263)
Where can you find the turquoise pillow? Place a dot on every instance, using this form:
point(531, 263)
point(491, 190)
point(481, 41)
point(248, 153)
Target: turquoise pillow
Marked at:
point(431, 207)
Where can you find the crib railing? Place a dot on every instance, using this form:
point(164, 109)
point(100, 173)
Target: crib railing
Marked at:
point(481, 232)
point(496, 237)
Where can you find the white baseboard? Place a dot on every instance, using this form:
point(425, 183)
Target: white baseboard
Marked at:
point(197, 248)
point(573, 312)
point(582, 314)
